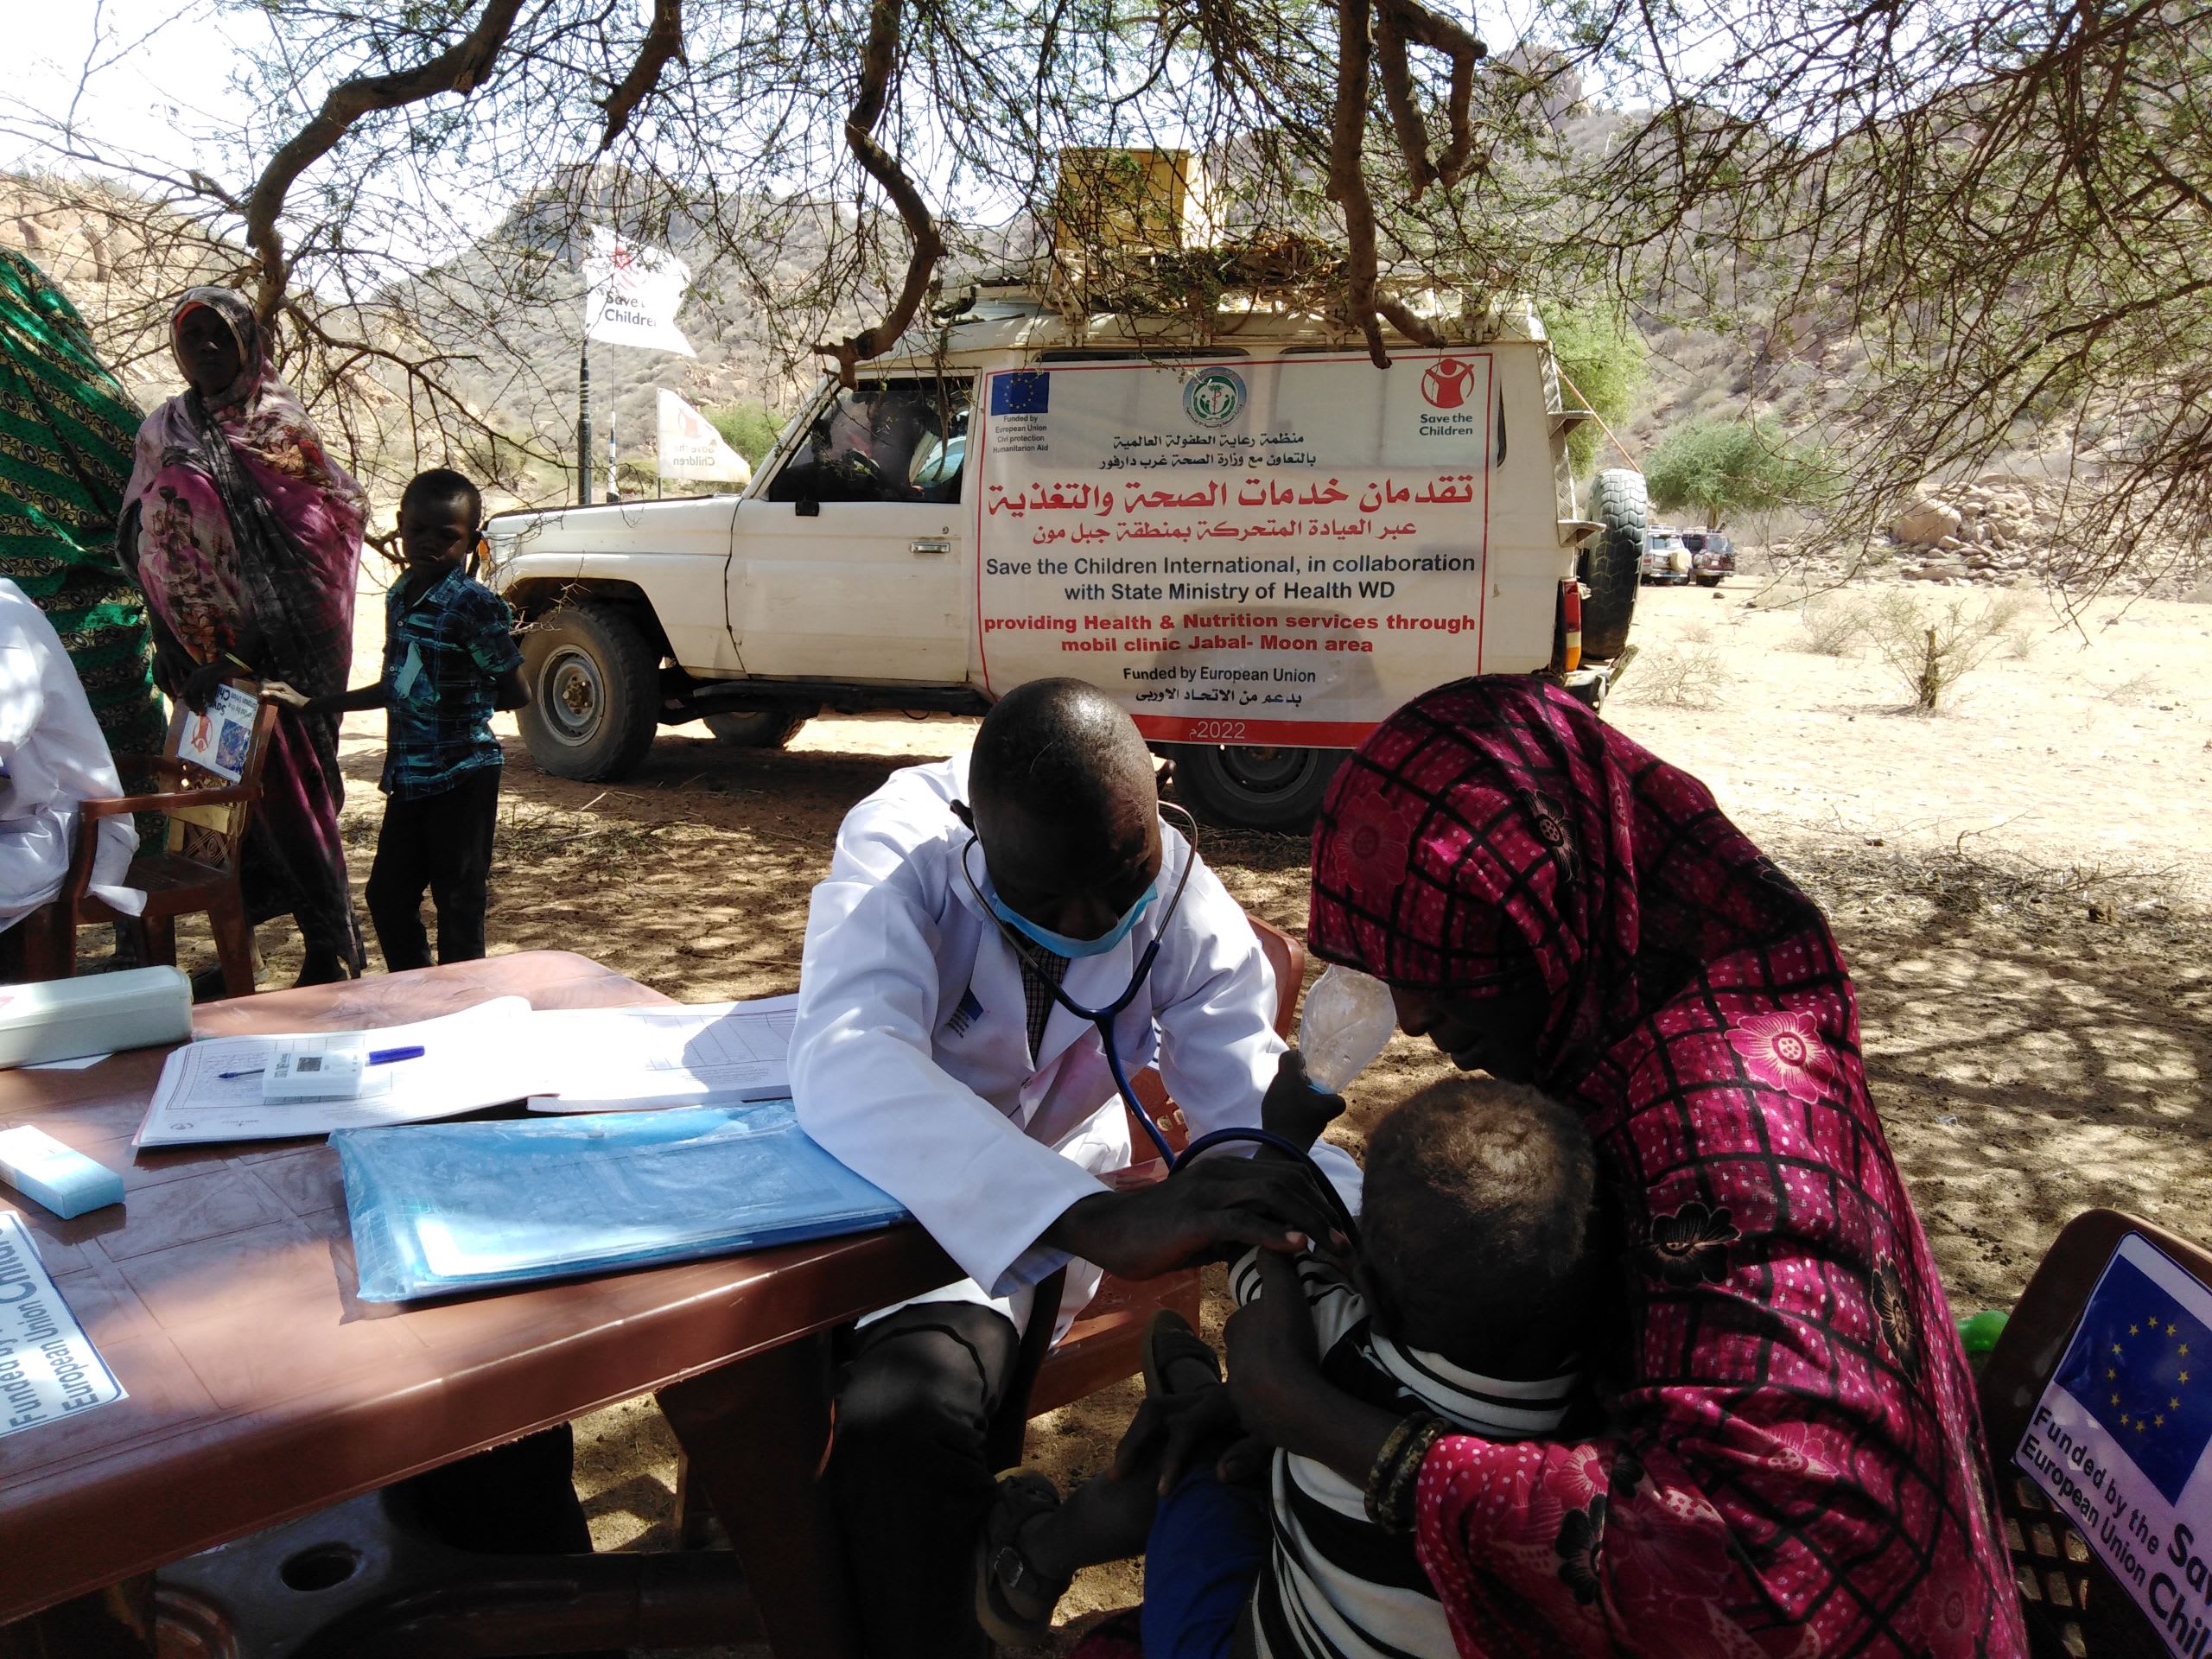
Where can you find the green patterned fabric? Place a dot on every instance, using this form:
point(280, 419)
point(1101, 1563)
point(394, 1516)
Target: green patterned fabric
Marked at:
point(67, 427)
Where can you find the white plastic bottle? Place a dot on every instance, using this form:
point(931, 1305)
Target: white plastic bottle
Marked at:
point(1348, 1018)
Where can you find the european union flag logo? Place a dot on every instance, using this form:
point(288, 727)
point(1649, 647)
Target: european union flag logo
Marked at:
point(2136, 1365)
point(1023, 392)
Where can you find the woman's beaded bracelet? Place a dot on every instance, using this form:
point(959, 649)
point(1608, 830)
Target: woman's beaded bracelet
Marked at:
point(1395, 1478)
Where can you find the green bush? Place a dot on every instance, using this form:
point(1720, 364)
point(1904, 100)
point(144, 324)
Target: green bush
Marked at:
point(1602, 356)
point(749, 428)
point(1722, 466)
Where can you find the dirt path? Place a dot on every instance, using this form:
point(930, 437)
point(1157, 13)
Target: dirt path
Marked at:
point(2016, 883)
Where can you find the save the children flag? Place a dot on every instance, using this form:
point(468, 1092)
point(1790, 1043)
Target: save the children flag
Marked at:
point(2120, 1439)
point(691, 447)
point(631, 293)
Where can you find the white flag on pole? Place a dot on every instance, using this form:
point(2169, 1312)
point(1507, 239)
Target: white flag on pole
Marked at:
point(632, 293)
point(691, 447)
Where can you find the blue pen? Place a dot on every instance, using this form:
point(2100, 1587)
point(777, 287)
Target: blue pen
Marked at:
point(377, 1056)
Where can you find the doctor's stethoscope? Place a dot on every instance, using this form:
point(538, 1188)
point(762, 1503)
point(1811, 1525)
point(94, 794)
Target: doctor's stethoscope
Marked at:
point(1103, 1018)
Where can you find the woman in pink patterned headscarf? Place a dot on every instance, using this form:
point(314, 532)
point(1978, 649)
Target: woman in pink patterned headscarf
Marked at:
point(245, 538)
point(1792, 1464)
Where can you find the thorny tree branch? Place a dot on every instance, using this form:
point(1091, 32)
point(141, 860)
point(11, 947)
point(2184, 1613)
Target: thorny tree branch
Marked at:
point(1397, 22)
point(460, 68)
point(664, 42)
point(879, 67)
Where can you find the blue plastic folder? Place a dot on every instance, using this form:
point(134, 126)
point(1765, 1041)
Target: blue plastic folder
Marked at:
point(443, 1207)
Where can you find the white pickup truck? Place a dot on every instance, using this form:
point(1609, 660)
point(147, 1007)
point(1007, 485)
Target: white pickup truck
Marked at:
point(1262, 543)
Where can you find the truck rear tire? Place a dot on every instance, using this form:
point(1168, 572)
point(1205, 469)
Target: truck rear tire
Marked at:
point(1612, 562)
point(757, 728)
point(1250, 787)
point(594, 692)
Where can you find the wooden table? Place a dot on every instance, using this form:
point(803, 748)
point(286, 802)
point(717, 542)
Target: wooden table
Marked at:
point(261, 1389)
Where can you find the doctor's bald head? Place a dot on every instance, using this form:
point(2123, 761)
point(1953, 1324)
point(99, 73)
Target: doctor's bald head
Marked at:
point(1066, 806)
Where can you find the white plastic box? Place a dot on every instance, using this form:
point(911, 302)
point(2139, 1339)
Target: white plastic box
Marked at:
point(65, 1019)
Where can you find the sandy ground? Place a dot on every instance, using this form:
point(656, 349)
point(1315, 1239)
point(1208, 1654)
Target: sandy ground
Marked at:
point(2017, 881)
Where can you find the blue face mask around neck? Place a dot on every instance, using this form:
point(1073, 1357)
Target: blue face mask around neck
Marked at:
point(1058, 944)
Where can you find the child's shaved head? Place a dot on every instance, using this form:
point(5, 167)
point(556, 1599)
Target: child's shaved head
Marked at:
point(1478, 1218)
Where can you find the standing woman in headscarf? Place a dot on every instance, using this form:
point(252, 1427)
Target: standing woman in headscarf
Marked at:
point(245, 536)
point(1792, 1462)
point(65, 454)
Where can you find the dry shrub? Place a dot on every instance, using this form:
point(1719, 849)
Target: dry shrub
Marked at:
point(1932, 650)
point(1691, 677)
point(1834, 625)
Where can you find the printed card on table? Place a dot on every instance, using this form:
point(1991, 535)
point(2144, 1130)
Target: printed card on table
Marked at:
point(220, 738)
point(2119, 1439)
point(49, 1367)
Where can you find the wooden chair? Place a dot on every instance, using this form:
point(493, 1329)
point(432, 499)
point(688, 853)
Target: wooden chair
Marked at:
point(2075, 1608)
point(196, 871)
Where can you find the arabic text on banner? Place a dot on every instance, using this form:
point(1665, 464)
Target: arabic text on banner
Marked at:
point(1249, 552)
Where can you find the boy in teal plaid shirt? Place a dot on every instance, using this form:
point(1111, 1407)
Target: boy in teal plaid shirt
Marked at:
point(449, 660)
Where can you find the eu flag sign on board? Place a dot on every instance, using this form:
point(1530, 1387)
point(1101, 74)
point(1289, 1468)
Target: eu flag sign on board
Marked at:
point(1023, 392)
point(2137, 1366)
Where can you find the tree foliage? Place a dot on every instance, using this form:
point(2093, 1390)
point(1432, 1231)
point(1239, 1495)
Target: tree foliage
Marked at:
point(750, 429)
point(1724, 466)
point(2001, 208)
point(1602, 357)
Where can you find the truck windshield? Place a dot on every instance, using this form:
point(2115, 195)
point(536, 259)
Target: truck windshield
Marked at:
point(882, 441)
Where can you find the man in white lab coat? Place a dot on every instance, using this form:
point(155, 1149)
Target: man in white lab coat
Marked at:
point(931, 1055)
point(52, 756)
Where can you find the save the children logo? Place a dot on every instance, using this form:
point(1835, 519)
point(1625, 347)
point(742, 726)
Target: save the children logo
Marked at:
point(1214, 397)
point(1446, 384)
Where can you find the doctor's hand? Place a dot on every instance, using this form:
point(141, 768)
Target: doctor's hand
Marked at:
point(1213, 1209)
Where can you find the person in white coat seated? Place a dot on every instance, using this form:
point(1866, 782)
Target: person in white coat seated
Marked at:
point(931, 1055)
point(52, 757)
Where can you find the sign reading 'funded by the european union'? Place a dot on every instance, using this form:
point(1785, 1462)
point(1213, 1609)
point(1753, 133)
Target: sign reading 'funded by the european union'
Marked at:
point(2120, 1437)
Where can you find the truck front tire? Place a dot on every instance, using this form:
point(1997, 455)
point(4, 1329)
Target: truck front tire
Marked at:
point(1612, 562)
point(594, 692)
point(1243, 787)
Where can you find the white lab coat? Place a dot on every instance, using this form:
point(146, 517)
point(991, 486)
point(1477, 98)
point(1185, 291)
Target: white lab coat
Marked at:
point(910, 1056)
point(55, 757)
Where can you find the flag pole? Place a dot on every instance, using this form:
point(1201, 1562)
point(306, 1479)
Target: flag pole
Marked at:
point(613, 459)
point(583, 422)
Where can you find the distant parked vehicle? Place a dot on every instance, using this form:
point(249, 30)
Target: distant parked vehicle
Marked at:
point(1713, 556)
point(1666, 559)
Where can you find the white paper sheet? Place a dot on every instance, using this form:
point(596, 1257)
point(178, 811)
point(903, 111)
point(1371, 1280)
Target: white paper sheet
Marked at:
point(701, 1054)
point(49, 1369)
point(482, 1056)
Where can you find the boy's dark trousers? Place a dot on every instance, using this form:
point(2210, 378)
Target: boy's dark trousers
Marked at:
point(443, 843)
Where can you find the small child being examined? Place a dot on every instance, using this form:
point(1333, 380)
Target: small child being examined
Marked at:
point(1473, 1289)
point(449, 661)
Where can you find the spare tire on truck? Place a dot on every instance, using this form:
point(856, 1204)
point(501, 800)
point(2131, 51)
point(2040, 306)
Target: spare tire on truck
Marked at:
point(594, 692)
point(1252, 786)
point(1612, 562)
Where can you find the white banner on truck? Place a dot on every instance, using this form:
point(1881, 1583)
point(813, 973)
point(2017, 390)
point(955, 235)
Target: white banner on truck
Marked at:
point(1277, 551)
point(691, 447)
point(631, 293)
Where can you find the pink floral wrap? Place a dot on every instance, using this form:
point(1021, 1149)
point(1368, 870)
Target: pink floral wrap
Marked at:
point(1795, 1463)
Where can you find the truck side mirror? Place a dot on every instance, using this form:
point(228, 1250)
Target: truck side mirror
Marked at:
point(807, 509)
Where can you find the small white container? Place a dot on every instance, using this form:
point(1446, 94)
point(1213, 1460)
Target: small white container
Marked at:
point(100, 1014)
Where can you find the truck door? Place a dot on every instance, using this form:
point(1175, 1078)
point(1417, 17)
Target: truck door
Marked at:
point(851, 563)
